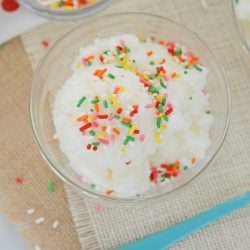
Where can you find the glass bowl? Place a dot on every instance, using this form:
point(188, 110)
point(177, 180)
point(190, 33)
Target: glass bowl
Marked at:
point(83, 12)
point(54, 69)
point(242, 26)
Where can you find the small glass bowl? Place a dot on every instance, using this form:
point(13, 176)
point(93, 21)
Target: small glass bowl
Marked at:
point(54, 69)
point(47, 12)
point(242, 27)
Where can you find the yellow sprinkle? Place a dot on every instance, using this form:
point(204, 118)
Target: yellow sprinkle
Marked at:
point(54, 6)
point(177, 75)
point(158, 137)
point(163, 127)
point(89, 119)
point(109, 174)
point(68, 7)
point(123, 150)
point(100, 135)
point(141, 38)
point(122, 88)
point(78, 64)
point(145, 76)
point(160, 115)
point(132, 130)
point(159, 98)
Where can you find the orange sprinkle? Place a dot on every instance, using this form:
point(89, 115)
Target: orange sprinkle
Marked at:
point(96, 106)
point(126, 120)
point(150, 53)
point(161, 42)
point(99, 73)
point(193, 160)
point(163, 60)
point(104, 128)
point(109, 191)
point(82, 118)
point(116, 131)
point(91, 57)
point(173, 75)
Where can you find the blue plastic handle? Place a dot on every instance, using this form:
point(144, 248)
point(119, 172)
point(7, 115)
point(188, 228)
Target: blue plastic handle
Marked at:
point(164, 239)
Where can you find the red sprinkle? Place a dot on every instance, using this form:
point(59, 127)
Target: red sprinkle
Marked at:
point(169, 111)
point(10, 5)
point(19, 180)
point(94, 148)
point(88, 125)
point(101, 58)
point(89, 146)
point(137, 131)
point(102, 116)
point(45, 43)
point(119, 110)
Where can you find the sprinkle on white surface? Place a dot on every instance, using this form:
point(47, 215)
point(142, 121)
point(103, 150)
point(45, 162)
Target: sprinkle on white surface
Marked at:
point(55, 224)
point(39, 220)
point(30, 211)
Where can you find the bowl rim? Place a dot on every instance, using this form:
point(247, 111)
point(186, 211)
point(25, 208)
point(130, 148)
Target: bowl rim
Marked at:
point(122, 200)
point(235, 21)
point(67, 15)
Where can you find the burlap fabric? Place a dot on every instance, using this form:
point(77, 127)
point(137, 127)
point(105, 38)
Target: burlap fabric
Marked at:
point(228, 175)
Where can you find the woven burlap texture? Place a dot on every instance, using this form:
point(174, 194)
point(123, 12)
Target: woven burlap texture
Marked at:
point(228, 175)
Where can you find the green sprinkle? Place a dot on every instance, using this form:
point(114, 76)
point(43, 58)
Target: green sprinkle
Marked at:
point(127, 48)
point(208, 111)
point(236, 1)
point(117, 66)
point(91, 110)
point(160, 108)
point(133, 61)
point(92, 132)
point(156, 75)
point(81, 101)
point(106, 52)
point(89, 63)
point(151, 77)
point(93, 186)
point(162, 180)
point(158, 122)
point(2, 46)
point(117, 117)
point(163, 102)
point(126, 141)
point(185, 168)
point(165, 117)
point(118, 51)
point(178, 52)
point(105, 104)
point(185, 72)
point(126, 124)
point(152, 63)
point(51, 186)
point(95, 144)
point(197, 67)
point(95, 101)
point(130, 138)
point(111, 76)
point(153, 89)
point(186, 67)
point(190, 98)
point(162, 84)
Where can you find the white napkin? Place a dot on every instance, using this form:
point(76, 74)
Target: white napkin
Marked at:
point(14, 23)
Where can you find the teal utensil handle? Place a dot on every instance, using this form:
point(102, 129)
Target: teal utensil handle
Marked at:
point(164, 239)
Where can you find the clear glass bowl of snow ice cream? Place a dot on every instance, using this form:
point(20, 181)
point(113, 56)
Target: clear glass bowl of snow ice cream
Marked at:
point(240, 10)
point(129, 107)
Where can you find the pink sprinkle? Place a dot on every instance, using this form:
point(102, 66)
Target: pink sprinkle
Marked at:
point(112, 138)
point(157, 112)
point(105, 142)
point(122, 75)
point(84, 61)
point(165, 77)
point(169, 105)
point(142, 137)
point(95, 116)
point(122, 42)
point(98, 208)
point(149, 106)
point(111, 117)
point(95, 124)
point(165, 95)
point(204, 91)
